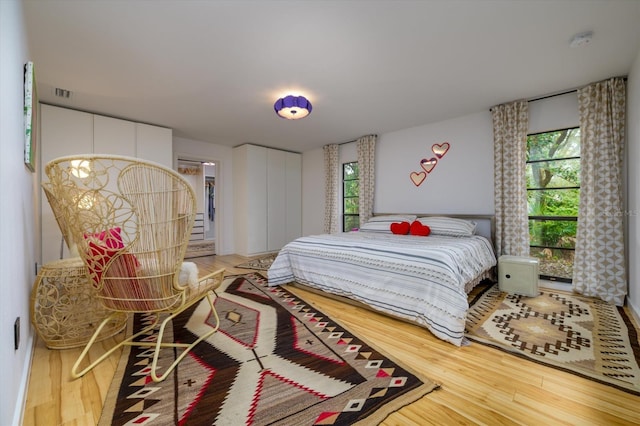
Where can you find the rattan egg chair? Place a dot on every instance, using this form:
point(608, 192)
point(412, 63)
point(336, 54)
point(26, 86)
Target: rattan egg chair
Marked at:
point(131, 221)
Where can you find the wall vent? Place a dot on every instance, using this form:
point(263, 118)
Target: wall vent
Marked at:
point(62, 93)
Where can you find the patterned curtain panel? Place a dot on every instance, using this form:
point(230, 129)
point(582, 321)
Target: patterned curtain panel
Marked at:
point(366, 146)
point(510, 124)
point(599, 268)
point(331, 174)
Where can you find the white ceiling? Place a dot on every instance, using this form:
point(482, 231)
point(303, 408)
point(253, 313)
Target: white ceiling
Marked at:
point(211, 70)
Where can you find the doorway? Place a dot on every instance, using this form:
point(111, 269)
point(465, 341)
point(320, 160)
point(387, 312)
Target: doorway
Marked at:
point(201, 174)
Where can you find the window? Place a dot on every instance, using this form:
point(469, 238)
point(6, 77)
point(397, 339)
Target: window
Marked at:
point(350, 199)
point(553, 191)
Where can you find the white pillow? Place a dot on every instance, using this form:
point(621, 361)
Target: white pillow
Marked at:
point(382, 224)
point(453, 227)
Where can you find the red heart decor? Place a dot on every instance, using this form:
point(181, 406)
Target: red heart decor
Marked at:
point(400, 228)
point(417, 228)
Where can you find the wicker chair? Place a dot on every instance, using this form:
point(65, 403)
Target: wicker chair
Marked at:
point(131, 220)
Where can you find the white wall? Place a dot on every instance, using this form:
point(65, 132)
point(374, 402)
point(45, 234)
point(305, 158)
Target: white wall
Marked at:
point(461, 181)
point(18, 225)
point(554, 113)
point(633, 184)
point(223, 157)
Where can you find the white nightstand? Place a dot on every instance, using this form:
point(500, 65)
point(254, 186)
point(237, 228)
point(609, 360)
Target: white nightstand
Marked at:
point(519, 275)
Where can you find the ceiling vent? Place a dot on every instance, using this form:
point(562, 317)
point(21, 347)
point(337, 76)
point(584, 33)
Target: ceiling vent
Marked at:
point(581, 39)
point(62, 93)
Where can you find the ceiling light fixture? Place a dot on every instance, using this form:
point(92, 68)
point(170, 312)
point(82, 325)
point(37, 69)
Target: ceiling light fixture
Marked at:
point(292, 107)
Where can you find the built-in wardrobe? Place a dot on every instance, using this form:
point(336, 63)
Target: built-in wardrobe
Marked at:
point(267, 186)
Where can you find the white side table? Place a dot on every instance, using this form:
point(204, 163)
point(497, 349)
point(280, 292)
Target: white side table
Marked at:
point(518, 275)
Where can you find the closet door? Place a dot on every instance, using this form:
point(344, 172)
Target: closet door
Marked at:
point(63, 132)
point(114, 136)
point(294, 197)
point(250, 199)
point(154, 143)
point(276, 199)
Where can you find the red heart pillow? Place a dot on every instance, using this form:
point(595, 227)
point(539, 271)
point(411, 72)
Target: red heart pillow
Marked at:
point(400, 228)
point(417, 228)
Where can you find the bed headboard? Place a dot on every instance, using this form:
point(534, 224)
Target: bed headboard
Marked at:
point(485, 222)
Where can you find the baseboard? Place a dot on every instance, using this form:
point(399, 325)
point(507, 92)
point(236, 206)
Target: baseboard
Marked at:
point(21, 400)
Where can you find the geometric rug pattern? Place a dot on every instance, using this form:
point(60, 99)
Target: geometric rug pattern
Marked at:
point(261, 263)
point(581, 335)
point(200, 248)
point(275, 360)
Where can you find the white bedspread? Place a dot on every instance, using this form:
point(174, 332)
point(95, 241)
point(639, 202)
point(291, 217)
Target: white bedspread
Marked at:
point(417, 278)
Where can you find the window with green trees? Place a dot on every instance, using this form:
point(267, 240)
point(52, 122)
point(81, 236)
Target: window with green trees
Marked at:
point(350, 194)
point(553, 192)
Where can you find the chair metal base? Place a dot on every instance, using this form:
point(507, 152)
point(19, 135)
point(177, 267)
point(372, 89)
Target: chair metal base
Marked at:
point(158, 345)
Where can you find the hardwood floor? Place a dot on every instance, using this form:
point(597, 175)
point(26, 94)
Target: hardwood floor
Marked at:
point(479, 385)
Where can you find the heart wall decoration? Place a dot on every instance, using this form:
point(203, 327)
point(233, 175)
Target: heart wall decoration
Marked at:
point(429, 164)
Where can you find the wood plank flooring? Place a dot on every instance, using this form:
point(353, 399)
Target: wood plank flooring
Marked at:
point(479, 385)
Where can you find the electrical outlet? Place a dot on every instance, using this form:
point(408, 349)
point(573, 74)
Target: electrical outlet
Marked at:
point(16, 334)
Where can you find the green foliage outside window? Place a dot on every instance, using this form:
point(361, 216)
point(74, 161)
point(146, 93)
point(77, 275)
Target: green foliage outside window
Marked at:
point(553, 193)
point(350, 196)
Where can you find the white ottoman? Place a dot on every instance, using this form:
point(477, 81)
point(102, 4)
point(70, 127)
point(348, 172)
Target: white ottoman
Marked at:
point(518, 275)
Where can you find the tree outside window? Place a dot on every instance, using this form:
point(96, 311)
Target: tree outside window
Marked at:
point(350, 196)
point(553, 192)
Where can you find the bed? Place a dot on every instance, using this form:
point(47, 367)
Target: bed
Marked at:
point(421, 279)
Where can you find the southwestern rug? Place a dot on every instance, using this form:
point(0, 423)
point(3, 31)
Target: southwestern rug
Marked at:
point(275, 360)
point(580, 335)
point(200, 249)
point(261, 263)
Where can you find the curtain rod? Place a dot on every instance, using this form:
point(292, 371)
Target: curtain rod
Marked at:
point(552, 96)
point(355, 140)
point(539, 98)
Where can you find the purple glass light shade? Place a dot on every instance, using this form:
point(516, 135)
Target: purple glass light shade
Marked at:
point(293, 107)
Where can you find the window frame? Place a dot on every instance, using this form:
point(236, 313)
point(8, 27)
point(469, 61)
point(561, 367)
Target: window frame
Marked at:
point(557, 218)
point(346, 215)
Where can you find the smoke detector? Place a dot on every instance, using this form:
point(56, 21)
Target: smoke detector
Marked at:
point(581, 39)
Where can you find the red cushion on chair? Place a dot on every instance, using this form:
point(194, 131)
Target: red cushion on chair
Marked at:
point(102, 247)
point(400, 228)
point(417, 228)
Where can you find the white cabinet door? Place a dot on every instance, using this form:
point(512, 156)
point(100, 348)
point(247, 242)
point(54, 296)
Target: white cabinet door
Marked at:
point(256, 221)
point(276, 199)
point(63, 132)
point(114, 136)
point(154, 143)
point(250, 199)
point(294, 197)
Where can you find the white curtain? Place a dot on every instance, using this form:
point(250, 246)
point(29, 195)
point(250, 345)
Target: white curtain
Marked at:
point(510, 125)
point(599, 264)
point(331, 174)
point(366, 146)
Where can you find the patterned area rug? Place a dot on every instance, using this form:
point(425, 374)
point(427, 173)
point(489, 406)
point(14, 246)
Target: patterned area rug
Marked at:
point(275, 360)
point(200, 249)
point(580, 335)
point(261, 264)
